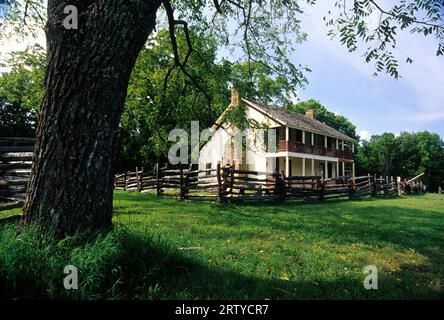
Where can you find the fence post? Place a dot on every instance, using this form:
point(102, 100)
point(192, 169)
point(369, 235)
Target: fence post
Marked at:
point(387, 185)
point(137, 180)
point(391, 186)
point(231, 178)
point(283, 187)
point(125, 177)
point(369, 181)
point(278, 185)
point(375, 186)
point(322, 182)
point(141, 179)
point(219, 183)
point(157, 179)
point(398, 185)
point(181, 181)
point(351, 188)
point(186, 181)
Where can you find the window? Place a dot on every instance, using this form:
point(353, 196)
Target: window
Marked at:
point(208, 167)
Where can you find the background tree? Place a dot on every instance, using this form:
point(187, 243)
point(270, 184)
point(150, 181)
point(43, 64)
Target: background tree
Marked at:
point(88, 72)
point(336, 121)
point(406, 155)
point(21, 90)
point(431, 148)
point(152, 110)
point(16, 121)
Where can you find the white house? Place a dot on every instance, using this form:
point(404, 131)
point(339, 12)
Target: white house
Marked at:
point(303, 146)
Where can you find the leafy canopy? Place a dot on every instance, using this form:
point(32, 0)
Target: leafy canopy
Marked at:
point(406, 155)
point(333, 120)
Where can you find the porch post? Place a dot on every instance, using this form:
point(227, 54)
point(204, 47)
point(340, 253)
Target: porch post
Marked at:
point(343, 168)
point(353, 169)
point(337, 168)
point(303, 167)
point(312, 167)
point(312, 139)
point(287, 166)
point(325, 141)
point(343, 145)
point(353, 147)
point(326, 170)
point(287, 134)
point(337, 143)
point(303, 136)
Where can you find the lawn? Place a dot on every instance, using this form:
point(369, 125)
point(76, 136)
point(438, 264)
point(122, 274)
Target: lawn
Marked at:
point(298, 251)
point(9, 212)
point(166, 248)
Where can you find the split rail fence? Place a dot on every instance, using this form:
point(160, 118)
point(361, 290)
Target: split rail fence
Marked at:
point(15, 170)
point(228, 184)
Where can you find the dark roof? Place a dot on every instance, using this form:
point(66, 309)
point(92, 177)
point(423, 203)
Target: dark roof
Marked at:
point(296, 120)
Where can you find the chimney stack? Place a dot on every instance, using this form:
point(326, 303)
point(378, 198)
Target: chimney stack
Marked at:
point(310, 114)
point(234, 97)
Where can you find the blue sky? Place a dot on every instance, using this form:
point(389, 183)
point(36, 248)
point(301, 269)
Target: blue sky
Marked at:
point(345, 84)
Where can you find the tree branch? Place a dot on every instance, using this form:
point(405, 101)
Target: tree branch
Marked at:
point(172, 22)
point(412, 19)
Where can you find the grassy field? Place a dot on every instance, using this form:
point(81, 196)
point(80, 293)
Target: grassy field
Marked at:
point(5, 213)
point(165, 248)
point(299, 251)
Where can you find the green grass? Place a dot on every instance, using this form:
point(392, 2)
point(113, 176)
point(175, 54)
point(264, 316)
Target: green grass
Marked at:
point(10, 212)
point(165, 248)
point(300, 251)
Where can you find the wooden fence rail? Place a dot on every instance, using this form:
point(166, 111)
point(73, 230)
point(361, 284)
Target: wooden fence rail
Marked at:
point(15, 169)
point(224, 183)
point(227, 184)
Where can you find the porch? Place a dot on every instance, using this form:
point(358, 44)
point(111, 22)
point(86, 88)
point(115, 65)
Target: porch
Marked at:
point(310, 143)
point(305, 166)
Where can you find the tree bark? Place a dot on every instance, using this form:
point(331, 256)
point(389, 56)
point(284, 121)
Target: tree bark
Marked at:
point(88, 70)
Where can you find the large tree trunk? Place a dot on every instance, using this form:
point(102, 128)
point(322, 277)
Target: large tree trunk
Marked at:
point(87, 75)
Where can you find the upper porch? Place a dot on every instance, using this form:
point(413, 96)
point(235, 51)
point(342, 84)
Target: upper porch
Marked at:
point(305, 142)
point(299, 147)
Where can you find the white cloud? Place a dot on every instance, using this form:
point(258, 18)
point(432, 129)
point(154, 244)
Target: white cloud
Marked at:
point(365, 135)
point(422, 79)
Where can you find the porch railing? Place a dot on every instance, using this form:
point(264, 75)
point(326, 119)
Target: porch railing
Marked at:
point(293, 146)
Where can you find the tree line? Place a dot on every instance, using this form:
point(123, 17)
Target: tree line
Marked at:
point(151, 110)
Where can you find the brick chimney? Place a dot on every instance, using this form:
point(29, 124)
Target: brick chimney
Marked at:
point(310, 114)
point(234, 97)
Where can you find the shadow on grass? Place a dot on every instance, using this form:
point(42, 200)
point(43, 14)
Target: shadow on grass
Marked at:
point(374, 222)
point(126, 264)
